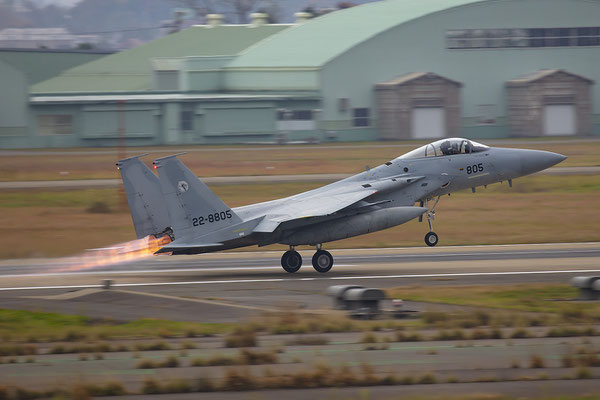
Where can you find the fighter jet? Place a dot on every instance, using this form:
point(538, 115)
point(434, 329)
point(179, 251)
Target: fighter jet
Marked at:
point(178, 204)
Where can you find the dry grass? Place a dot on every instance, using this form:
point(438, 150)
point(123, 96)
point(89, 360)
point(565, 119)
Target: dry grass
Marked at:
point(252, 160)
point(520, 297)
point(462, 219)
point(57, 223)
point(241, 337)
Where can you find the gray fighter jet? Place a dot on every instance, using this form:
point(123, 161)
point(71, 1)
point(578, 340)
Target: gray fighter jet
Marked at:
point(178, 204)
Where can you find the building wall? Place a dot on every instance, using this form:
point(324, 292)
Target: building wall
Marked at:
point(420, 46)
point(18, 70)
point(13, 102)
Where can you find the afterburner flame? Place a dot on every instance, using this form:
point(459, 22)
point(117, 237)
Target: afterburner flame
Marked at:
point(118, 253)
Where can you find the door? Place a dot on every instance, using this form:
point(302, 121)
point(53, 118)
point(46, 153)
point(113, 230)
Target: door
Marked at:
point(559, 119)
point(428, 123)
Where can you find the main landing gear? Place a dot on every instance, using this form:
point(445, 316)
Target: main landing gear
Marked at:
point(322, 260)
point(431, 238)
point(291, 260)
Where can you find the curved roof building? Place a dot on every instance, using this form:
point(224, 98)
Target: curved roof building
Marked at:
point(392, 69)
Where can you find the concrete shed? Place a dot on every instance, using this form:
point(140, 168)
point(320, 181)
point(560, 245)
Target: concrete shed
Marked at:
point(418, 105)
point(548, 103)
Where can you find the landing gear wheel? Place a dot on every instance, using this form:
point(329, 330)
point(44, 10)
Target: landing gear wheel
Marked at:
point(322, 261)
point(431, 239)
point(291, 261)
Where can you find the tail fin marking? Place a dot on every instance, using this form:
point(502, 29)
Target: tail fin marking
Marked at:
point(194, 209)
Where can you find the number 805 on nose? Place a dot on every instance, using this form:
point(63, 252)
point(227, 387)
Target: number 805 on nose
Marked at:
point(473, 169)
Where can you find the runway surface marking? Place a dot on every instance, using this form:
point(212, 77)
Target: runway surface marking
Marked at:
point(333, 278)
point(151, 271)
point(375, 258)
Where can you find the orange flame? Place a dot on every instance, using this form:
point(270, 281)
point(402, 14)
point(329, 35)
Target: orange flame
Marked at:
point(119, 253)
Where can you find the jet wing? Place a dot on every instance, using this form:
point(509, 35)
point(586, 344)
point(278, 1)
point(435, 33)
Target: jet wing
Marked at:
point(321, 203)
point(314, 206)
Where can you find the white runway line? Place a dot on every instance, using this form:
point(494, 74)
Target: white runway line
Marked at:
point(250, 268)
point(270, 280)
point(150, 271)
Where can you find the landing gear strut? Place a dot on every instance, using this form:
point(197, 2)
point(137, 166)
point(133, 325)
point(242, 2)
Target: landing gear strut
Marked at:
point(291, 261)
point(431, 238)
point(322, 261)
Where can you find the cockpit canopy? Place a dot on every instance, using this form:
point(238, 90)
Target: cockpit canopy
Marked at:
point(445, 147)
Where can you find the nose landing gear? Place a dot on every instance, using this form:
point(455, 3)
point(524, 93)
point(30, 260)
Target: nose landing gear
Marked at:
point(431, 238)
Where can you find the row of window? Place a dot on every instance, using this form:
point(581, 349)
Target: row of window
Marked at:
point(62, 124)
point(523, 37)
point(360, 116)
point(55, 124)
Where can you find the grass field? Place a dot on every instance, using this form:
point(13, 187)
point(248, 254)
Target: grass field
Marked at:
point(508, 301)
point(16, 325)
point(254, 160)
point(522, 297)
point(64, 222)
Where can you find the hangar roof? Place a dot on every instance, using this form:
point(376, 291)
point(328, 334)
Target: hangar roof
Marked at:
point(322, 39)
point(131, 70)
point(41, 64)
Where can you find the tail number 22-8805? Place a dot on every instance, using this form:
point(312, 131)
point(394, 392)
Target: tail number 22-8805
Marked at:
point(210, 218)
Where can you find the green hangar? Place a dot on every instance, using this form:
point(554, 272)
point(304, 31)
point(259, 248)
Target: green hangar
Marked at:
point(393, 69)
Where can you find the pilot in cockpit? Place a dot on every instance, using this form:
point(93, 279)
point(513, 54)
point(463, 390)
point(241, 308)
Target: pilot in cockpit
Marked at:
point(448, 148)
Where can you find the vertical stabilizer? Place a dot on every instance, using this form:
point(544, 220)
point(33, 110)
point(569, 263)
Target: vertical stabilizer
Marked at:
point(194, 209)
point(144, 196)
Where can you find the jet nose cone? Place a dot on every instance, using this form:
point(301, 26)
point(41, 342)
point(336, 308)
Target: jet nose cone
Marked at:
point(537, 160)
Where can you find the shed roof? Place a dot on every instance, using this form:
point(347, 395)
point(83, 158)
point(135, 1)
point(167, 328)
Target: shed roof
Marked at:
point(543, 73)
point(412, 76)
point(322, 39)
point(131, 70)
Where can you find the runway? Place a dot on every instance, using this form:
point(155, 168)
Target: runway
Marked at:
point(387, 263)
point(227, 286)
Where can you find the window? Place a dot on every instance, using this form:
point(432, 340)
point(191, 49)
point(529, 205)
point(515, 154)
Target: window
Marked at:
point(55, 124)
point(295, 120)
point(523, 37)
point(186, 118)
point(360, 117)
point(294, 115)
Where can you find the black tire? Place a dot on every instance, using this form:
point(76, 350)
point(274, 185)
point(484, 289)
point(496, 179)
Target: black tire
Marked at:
point(322, 261)
point(291, 261)
point(431, 239)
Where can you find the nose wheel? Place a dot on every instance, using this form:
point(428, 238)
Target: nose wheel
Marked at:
point(291, 261)
point(431, 238)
